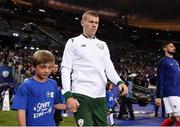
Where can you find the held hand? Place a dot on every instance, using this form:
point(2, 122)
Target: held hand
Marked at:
point(72, 104)
point(124, 89)
point(60, 106)
point(158, 101)
point(77, 103)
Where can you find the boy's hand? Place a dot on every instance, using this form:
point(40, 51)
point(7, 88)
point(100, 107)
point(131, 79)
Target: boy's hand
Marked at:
point(60, 106)
point(72, 104)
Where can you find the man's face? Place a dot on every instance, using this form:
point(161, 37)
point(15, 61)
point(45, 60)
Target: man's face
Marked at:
point(20, 67)
point(55, 68)
point(170, 49)
point(90, 25)
point(44, 70)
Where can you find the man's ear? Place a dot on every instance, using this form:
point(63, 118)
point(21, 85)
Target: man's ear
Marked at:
point(164, 49)
point(82, 23)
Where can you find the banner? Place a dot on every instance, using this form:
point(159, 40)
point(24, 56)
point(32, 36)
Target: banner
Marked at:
point(6, 105)
point(6, 74)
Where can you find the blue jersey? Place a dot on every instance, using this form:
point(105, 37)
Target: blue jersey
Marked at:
point(110, 99)
point(37, 99)
point(168, 78)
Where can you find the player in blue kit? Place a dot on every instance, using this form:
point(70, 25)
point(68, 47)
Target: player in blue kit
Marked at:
point(38, 96)
point(168, 85)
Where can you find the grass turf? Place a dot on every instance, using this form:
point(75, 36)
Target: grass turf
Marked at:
point(9, 118)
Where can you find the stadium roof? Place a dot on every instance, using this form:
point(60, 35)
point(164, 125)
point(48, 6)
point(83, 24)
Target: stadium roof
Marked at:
point(156, 14)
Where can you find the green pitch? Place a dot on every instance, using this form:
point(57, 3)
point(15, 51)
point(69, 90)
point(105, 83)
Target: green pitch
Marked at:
point(8, 118)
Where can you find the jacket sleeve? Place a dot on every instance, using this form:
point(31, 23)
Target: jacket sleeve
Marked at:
point(66, 68)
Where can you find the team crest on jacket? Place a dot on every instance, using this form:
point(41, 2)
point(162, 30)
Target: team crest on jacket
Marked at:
point(101, 46)
point(80, 122)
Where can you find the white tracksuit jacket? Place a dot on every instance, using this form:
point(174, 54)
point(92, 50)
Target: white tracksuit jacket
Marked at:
point(86, 63)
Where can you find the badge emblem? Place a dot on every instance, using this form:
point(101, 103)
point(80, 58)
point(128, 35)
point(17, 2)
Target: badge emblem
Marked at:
point(5, 74)
point(80, 122)
point(101, 46)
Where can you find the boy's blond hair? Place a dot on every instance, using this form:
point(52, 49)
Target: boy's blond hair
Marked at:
point(42, 57)
point(91, 13)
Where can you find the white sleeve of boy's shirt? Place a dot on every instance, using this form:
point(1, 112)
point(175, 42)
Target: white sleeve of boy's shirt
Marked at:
point(109, 68)
point(66, 66)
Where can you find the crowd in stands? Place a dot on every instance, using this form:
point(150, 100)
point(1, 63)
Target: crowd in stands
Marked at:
point(141, 63)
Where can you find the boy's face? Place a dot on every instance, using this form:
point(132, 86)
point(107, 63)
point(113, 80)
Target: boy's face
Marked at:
point(110, 87)
point(43, 70)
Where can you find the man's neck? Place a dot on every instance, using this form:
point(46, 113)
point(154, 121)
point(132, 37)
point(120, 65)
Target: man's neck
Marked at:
point(87, 36)
point(54, 73)
point(169, 55)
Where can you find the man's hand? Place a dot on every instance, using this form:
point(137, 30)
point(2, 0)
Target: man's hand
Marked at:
point(124, 89)
point(158, 101)
point(72, 104)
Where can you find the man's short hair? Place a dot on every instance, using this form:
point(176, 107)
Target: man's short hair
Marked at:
point(92, 13)
point(164, 44)
point(42, 57)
